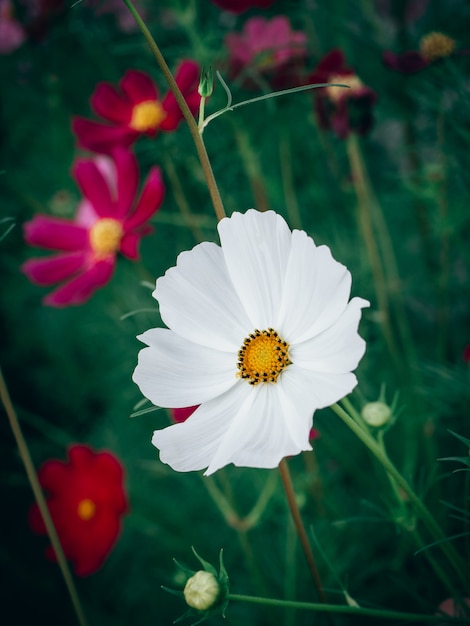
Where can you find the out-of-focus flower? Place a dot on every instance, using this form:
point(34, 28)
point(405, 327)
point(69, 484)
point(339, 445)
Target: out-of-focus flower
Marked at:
point(239, 6)
point(466, 354)
point(432, 48)
point(314, 434)
point(269, 49)
point(86, 500)
point(182, 414)
point(110, 219)
point(40, 14)
point(12, 34)
point(261, 334)
point(135, 109)
point(124, 18)
point(450, 607)
point(339, 109)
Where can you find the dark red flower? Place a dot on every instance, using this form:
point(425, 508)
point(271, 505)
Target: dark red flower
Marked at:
point(86, 500)
point(339, 109)
point(269, 49)
point(432, 48)
point(135, 109)
point(110, 219)
point(239, 6)
point(466, 354)
point(181, 415)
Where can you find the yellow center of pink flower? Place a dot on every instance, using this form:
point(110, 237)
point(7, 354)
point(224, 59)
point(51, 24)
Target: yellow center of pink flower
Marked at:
point(105, 236)
point(147, 115)
point(86, 509)
point(262, 357)
point(336, 93)
point(434, 46)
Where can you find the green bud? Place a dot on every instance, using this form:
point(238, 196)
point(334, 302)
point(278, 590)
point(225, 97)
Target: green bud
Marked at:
point(202, 591)
point(206, 82)
point(376, 413)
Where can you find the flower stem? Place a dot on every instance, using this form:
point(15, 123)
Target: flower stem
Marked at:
point(300, 528)
point(352, 610)
point(421, 510)
point(188, 116)
point(39, 496)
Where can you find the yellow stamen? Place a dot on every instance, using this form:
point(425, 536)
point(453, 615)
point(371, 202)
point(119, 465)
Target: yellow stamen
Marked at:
point(147, 115)
point(105, 236)
point(86, 509)
point(262, 357)
point(336, 93)
point(434, 46)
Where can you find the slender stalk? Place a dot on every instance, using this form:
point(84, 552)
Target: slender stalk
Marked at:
point(352, 610)
point(290, 196)
point(39, 497)
point(425, 516)
point(193, 127)
point(252, 168)
point(300, 528)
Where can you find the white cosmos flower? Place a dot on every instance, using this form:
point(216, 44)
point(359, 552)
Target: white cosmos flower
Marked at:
point(260, 335)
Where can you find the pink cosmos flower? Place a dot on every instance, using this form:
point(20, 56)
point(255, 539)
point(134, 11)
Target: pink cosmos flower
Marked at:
point(239, 6)
point(339, 109)
point(269, 48)
point(86, 500)
point(12, 34)
point(110, 219)
point(433, 47)
point(135, 109)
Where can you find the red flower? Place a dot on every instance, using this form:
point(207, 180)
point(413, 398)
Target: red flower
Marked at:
point(239, 6)
point(86, 500)
point(12, 34)
point(342, 110)
point(135, 109)
point(432, 48)
point(268, 48)
point(109, 220)
point(181, 415)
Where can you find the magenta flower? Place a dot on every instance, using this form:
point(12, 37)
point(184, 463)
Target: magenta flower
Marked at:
point(110, 219)
point(267, 48)
point(432, 48)
point(239, 6)
point(12, 34)
point(339, 109)
point(181, 415)
point(135, 109)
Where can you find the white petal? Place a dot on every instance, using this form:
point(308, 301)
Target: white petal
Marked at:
point(316, 290)
point(325, 389)
point(192, 444)
point(198, 302)
point(256, 248)
point(298, 403)
point(175, 373)
point(337, 349)
point(258, 435)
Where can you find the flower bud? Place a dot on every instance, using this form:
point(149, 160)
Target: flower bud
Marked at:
point(202, 591)
point(206, 83)
point(376, 413)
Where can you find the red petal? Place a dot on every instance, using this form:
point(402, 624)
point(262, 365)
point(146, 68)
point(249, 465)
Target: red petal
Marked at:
point(94, 187)
point(55, 234)
point(150, 200)
point(187, 76)
point(127, 177)
point(181, 415)
point(111, 105)
point(138, 87)
point(130, 245)
point(81, 288)
point(54, 269)
point(100, 137)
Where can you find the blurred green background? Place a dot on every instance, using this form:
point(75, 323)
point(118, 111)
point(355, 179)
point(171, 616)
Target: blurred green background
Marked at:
point(69, 371)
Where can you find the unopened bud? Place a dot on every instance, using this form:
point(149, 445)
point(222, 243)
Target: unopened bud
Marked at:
point(202, 591)
point(206, 82)
point(376, 413)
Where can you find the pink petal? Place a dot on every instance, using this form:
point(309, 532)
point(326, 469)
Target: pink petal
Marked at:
point(127, 177)
point(94, 187)
point(12, 35)
point(187, 76)
point(111, 105)
point(187, 79)
point(55, 234)
point(81, 288)
point(101, 138)
point(54, 269)
point(150, 200)
point(130, 245)
point(138, 87)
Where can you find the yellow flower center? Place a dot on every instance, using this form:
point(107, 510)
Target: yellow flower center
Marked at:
point(434, 46)
point(262, 357)
point(105, 236)
point(147, 115)
point(336, 93)
point(86, 509)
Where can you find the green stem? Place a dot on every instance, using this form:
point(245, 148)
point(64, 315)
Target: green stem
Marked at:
point(39, 497)
point(252, 168)
point(426, 517)
point(352, 610)
point(288, 184)
point(188, 116)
